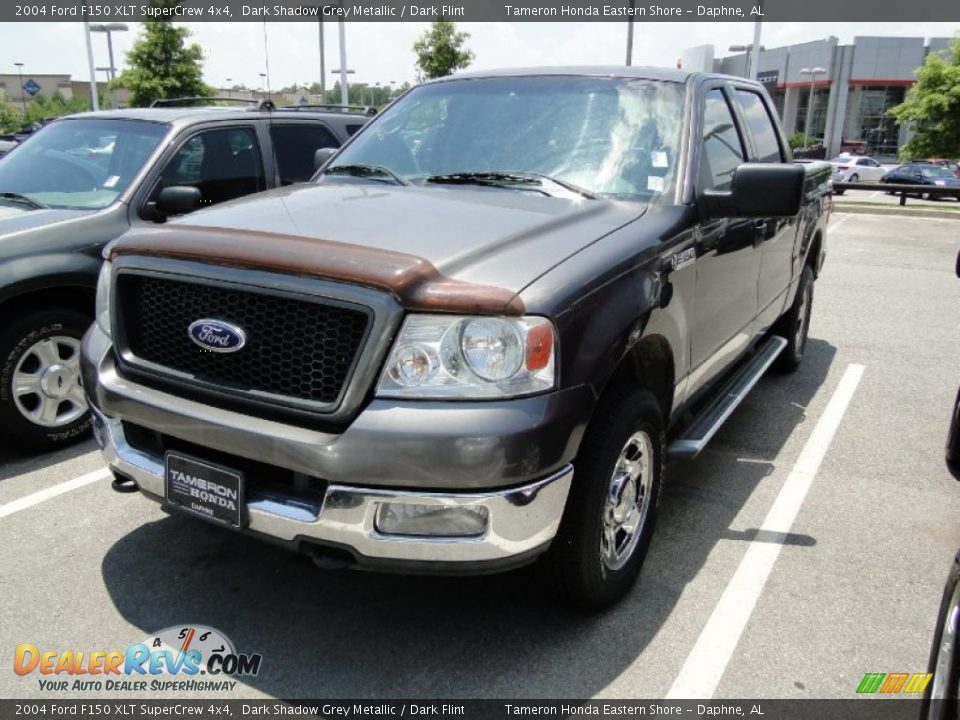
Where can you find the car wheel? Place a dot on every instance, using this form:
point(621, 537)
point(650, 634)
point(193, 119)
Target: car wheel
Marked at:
point(939, 700)
point(854, 178)
point(795, 325)
point(611, 511)
point(839, 192)
point(42, 404)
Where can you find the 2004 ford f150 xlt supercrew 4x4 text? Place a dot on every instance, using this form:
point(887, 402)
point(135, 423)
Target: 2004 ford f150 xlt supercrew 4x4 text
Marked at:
point(477, 337)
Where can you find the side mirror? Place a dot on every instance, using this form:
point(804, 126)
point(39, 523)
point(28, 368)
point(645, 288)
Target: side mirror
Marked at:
point(321, 155)
point(759, 190)
point(178, 199)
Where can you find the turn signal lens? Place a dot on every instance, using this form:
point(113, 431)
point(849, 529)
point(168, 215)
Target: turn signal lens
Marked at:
point(539, 347)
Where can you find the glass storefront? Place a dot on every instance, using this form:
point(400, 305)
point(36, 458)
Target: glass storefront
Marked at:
point(868, 117)
point(818, 123)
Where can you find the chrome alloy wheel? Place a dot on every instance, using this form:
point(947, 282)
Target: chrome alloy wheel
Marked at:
point(628, 500)
point(47, 389)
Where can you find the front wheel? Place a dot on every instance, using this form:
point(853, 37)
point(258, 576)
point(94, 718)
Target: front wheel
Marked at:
point(42, 404)
point(611, 511)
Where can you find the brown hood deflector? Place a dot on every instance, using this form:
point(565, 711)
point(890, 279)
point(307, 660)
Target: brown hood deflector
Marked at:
point(412, 280)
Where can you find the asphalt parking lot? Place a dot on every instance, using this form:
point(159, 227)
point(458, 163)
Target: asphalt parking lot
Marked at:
point(854, 589)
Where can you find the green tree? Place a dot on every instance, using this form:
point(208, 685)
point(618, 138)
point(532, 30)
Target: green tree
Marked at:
point(932, 107)
point(41, 107)
point(799, 140)
point(9, 118)
point(162, 65)
point(440, 50)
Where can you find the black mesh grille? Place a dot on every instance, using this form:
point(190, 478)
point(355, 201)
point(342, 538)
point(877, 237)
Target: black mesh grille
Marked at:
point(294, 348)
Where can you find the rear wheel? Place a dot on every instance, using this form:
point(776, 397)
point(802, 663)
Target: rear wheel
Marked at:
point(854, 178)
point(42, 404)
point(795, 325)
point(611, 511)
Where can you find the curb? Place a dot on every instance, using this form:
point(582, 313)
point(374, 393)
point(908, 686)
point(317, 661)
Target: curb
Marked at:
point(917, 212)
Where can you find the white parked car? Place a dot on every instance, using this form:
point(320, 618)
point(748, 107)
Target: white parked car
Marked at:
point(857, 168)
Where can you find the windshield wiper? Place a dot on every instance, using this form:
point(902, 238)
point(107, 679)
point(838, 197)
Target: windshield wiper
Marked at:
point(17, 197)
point(499, 178)
point(367, 171)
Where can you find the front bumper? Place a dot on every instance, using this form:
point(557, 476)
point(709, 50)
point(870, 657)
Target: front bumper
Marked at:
point(523, 499)
point(521, 521)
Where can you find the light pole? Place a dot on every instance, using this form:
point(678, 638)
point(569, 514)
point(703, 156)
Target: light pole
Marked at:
point(23, 99)
point(344, 95)
point(263, 80)
point(229, 80)
point(633, 4)
point(812, 72)
point(110, 28)
point(94, 92)
point(323, 69)
point(750, 70)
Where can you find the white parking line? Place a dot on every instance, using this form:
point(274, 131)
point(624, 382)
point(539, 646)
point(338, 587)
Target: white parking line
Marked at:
point(51, 492)
point(707, 661)
point(833, 226)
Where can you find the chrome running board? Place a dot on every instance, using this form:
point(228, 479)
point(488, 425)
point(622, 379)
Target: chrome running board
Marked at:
point(706, 424)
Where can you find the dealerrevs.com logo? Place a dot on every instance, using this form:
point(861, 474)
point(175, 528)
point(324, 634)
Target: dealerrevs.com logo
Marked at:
point(182, 658)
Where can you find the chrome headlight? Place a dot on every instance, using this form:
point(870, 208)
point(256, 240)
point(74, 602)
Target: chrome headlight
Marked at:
point(451, 356)
point(103, 297)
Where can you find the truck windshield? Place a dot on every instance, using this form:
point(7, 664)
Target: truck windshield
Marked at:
point(82, 163)
point(612, 137)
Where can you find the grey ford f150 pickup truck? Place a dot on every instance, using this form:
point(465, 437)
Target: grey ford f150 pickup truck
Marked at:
point(477, 337)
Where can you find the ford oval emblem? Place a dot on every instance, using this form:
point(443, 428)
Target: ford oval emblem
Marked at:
point(217, 336)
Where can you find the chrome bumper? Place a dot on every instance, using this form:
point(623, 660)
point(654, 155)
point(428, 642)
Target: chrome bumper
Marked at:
point(522, 521)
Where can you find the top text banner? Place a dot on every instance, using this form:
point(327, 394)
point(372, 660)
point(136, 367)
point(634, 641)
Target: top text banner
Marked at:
point(488, 11)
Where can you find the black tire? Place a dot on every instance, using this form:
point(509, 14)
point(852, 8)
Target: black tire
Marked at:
point(839, 192)
point(795, 324)
point(17, 344)
point(574, 565)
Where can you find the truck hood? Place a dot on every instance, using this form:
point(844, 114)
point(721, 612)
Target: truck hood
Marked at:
point(14, 217)
point(438, 248)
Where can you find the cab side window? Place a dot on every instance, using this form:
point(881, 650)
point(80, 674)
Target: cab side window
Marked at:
point(766, 146)
point(222, 164)
point(294, 146)
point(722, 148)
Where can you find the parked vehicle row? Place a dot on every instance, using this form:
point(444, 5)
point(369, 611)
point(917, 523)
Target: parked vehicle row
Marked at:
point(82, 181)
point(862, 169)
point(923, 173)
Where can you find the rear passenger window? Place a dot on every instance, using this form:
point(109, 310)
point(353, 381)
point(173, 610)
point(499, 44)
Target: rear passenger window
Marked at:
point(722, 149)
point(352, 128)
point(762, 129)
point(222, 164)
point(294, 146)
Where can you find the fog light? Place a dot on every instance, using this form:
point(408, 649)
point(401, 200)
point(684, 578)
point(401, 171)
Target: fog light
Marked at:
point(431, 520)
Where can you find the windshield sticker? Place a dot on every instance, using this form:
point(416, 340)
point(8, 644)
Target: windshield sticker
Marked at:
point(655, 183)
point(111, 181)
point(659, 159)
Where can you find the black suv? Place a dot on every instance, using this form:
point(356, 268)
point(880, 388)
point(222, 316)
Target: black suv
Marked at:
point(83, 180)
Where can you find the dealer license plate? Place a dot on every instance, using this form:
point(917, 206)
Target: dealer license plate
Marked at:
point(208, 490)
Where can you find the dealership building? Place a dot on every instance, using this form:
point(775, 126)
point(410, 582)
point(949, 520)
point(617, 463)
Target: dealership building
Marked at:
point(850, 98)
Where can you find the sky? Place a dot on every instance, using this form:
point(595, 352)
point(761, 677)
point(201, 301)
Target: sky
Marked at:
point(382, 52)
